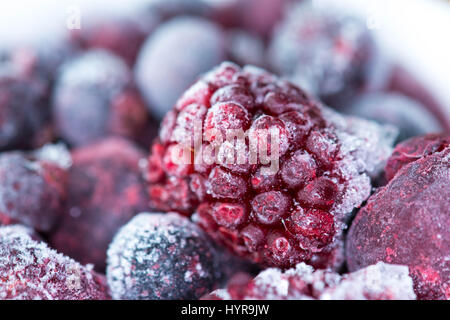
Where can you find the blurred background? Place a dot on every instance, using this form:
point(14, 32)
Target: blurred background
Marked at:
point(387, 60)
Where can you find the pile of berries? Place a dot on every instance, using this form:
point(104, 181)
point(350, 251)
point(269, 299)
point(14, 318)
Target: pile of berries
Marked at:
point(253, 187)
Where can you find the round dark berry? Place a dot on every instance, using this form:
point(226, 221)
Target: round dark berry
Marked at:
point(95, 97)
point(160, 257)
point(174, 56)
point(105, 190)
point(407, 222)
point(244, 196)
point(323, 49)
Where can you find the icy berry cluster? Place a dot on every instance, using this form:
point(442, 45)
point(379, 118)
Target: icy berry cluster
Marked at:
point(377, 282)
point(296, 213)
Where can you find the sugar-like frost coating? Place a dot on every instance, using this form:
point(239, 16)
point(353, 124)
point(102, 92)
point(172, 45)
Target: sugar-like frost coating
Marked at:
point(376, 282)
point(31, 270)
point(162, 256)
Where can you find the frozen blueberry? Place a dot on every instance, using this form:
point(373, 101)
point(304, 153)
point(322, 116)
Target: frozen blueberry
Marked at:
point(95, 97)
point(162, 256)
point(174, 56)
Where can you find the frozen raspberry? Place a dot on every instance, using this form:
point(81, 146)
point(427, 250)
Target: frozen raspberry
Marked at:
point(377, 282)
point(278, 216)
point(95, 97)
point(407, 222)
point(31, 270)
point(411, 117)
point(323, 49)
point(160, 257)
point(33, 187)
point(122, 34)
point(105, 190)
point(174, 56)
point(414, 149)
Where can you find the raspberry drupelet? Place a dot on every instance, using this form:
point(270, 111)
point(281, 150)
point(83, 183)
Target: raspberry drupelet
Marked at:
point(275, 219)
point(30, 270)
point(105, 190)
point(162, 256)
point(407, 221)
point(34, 186)
point(95, 97)
point(376, 282)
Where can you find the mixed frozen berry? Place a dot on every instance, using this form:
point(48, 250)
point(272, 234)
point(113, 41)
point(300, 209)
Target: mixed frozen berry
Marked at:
point(174, 56)
point(162, 256)
point(325, 50)
point(407, 221)
point(33, 187)
point(377, 282)
point(105, 190)
point(95, 97)
point(280, 217)
point(30, 270)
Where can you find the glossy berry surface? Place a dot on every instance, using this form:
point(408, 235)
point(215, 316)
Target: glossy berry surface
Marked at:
point(323, 49)
point(105, 190)
point(33, 187)
point(162, 256)
point(95, 97)
point(376, 282)
point(29, 270)
point(407, 222)
point(278, 218)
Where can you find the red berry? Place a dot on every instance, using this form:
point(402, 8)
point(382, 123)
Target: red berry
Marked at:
point(243, 196)
point(407, 222)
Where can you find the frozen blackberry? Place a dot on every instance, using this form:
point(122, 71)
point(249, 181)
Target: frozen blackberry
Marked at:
point(407, 222)
point(411, 117)
point(174, 56)
point(95, 97)
point(160, 257)
point(30, 270)
point(33, 187)
point(377, 282)
point(323, 49)
point(272, 217)
point(105, 190)
point(414, 149)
